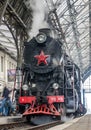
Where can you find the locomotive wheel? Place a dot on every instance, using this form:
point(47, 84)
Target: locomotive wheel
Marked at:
point(28, 118)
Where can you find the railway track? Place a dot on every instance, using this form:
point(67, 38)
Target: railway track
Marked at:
point(27, 126)
point(12, 125)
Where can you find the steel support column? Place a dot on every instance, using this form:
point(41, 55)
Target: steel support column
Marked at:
point(89, 32)
point(84, 97)
point(55, 23)
point(3, 6)
point(72, 13)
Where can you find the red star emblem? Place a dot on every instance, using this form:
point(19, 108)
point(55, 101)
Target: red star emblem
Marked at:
point(41, 58)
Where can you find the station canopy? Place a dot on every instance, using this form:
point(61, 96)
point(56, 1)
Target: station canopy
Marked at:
point(6, 40)
point(73, 16)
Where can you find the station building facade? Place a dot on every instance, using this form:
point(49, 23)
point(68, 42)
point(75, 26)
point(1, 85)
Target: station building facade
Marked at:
point(7, 68)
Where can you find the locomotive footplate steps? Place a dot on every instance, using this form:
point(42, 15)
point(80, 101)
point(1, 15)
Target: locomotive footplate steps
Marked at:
point(42, 109)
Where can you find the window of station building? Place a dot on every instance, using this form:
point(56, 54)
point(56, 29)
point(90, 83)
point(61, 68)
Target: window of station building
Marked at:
point(14, 66)
point(9, 65)
point(2, 63)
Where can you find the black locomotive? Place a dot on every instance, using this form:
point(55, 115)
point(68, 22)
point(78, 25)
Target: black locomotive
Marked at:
point(50, 82)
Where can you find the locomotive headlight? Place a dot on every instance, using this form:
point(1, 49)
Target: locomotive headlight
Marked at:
point(55, 85)
point(41, 38)
point(25, 87)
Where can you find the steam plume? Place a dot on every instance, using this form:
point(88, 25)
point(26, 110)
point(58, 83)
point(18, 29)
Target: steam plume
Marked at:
point(39, 15)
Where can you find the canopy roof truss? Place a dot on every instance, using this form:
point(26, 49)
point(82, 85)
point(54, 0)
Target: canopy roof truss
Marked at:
point(73, 16)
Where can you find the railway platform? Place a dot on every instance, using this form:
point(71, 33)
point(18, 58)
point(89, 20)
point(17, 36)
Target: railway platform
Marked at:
point(81, 123)
point(9, 119)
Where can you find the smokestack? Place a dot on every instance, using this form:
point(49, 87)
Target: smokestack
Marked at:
point(47, 31)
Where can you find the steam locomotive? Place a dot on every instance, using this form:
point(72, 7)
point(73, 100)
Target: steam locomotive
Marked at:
point(50, 82)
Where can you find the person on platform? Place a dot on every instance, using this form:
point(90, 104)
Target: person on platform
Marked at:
point(6, 106)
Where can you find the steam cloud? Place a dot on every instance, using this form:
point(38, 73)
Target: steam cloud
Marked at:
point(39, 15)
